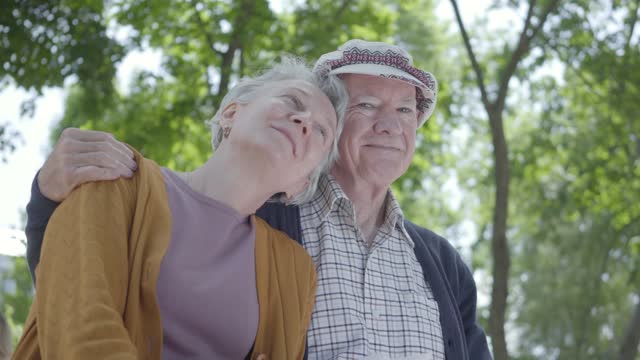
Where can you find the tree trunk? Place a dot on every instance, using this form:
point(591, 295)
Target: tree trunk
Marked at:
point(235, 44)
point(225, 69)
point(494, 109)
point(499, 245)
point(629, 348)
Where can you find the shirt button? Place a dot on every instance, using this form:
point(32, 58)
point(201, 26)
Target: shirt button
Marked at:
point(450, 343)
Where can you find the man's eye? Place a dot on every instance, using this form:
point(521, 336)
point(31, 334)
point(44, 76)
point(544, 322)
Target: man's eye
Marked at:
point(406, 110)
point(366, 105)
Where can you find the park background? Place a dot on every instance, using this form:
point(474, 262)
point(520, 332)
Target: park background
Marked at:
point(530, 165)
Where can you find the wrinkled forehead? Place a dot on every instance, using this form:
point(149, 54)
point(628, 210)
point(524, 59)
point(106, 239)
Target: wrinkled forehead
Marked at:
point(376, 86)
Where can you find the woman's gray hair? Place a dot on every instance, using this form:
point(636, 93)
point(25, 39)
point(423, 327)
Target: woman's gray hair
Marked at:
point(289, 68)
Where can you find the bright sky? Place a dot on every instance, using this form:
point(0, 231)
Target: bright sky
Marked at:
point(16, 175)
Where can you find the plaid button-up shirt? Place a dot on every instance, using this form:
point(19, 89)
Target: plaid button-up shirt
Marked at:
point(371, 300)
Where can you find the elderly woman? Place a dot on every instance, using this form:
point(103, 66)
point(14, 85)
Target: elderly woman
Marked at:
point(171, 265)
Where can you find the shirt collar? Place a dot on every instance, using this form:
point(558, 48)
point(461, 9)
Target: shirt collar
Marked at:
point(329, 194)
point(394, 217)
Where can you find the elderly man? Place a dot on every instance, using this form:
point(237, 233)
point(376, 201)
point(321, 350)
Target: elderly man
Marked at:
point(387, 288)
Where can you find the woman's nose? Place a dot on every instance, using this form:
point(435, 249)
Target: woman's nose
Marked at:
point(301, 119)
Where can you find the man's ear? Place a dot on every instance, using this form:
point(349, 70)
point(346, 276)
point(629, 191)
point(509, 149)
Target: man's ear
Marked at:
point(228, 115)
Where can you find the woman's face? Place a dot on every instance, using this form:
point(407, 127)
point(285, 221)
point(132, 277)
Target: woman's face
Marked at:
point(289, 124)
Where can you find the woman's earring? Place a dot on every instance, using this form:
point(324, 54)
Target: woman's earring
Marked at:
point(226, 131)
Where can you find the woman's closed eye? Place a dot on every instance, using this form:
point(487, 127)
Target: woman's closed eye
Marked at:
point(321, 130)
point(295, 101)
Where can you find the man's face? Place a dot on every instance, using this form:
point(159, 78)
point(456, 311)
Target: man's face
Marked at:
point(378, 139)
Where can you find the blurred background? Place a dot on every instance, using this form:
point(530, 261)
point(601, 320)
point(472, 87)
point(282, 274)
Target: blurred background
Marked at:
point(530, 165)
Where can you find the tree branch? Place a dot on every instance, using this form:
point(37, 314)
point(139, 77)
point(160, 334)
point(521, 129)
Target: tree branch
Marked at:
point(634, 21)
point(579, 73)
point(521, 49)
point(543, 18)
point(207, 34)
point(330, 24)
point(629, 347)
point(594, 297)
point(342, 9)
point(235, 43)
point(210, 42)
point(472, 57)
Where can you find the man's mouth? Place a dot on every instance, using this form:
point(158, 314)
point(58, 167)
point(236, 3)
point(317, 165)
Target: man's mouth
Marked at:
point(384, 147)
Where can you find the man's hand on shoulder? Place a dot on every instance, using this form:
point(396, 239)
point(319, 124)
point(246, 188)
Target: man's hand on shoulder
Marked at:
point(81, 156)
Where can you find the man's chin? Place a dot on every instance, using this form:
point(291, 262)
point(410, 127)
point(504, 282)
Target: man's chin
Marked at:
point(383, 176)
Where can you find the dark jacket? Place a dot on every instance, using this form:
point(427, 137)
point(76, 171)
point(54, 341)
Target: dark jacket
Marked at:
point(451, 280)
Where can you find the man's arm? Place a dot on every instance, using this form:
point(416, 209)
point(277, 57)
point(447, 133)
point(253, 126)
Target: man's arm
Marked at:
point(79, 156)
point(454, 288)
point(39, 210)
point(467, 304)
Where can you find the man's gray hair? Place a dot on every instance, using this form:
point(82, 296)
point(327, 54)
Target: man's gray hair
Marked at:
point(289, 68)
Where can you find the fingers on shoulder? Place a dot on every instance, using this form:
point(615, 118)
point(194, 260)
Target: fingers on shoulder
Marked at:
point(96, 182)
point(85, 135)
point(78, 140)
point(83, 174)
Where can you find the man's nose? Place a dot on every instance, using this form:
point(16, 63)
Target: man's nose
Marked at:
point(388, 122)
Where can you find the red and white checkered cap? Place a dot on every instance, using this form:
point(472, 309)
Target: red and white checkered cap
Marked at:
point(384, 60)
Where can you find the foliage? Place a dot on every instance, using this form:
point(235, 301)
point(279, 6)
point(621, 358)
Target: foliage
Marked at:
point(574, 162)
point(580, 169)
point(15, 305)
point(8, 139)
point(205, 47)
point(44, 43)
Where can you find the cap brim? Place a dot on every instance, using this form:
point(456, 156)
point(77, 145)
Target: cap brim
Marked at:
point(383, 71)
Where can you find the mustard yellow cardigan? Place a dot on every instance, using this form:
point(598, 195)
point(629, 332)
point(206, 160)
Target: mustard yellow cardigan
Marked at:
point(96, 291)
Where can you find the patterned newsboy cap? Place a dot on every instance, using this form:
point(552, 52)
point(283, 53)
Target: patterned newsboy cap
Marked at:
point(384, 60)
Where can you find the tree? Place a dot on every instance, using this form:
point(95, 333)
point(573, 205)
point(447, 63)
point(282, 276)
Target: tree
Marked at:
point(583, 194)
point(494, 105)
point(43, 44)
point(15, 305)
point(8, 139)
point(206, 46)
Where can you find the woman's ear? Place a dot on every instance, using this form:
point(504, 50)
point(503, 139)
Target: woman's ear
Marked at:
point(228, 115)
